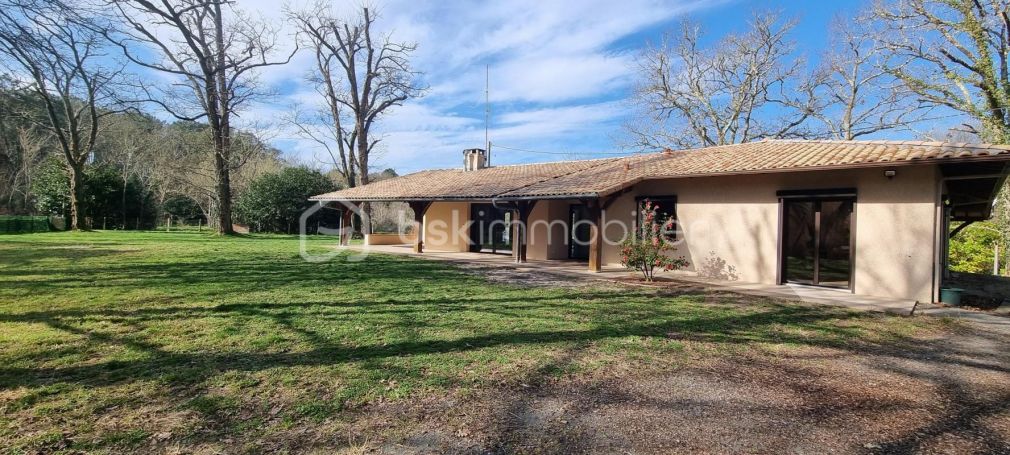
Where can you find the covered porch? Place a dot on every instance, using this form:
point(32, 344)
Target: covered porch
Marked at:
point(561, 230)
point(736, 207)
point(967, 195)
point(612, 273)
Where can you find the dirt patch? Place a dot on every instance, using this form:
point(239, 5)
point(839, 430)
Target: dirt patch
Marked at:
point(941, 395)
point(655, 283)
point(522, 276)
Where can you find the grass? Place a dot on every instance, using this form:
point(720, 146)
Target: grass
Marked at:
point(115, 342)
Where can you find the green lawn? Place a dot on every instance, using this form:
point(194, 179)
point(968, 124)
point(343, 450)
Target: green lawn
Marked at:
point(115, 342)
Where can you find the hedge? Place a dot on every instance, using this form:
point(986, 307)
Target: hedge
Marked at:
point(23, 224)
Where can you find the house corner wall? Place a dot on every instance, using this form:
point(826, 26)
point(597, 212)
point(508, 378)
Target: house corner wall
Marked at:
point(731, 225)
point(548, 231)
point(445, 227)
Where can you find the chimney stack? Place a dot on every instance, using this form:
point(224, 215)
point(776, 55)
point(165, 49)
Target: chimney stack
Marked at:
point(474, 159)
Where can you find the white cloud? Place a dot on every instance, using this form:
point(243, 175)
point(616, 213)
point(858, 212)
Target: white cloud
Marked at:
point(440, 140)
point(558, 72)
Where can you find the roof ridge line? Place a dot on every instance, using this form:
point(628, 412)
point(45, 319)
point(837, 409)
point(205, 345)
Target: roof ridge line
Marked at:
point(908, 142)
point(564, 161)
point(555, 177)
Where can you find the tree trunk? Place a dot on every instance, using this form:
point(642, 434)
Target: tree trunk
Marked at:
point(122, 204)
point(76, 194)
point(366, 228)
point(222, 157)
point(223, 195)
point(140, 213)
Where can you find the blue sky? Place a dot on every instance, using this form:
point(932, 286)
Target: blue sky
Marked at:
point(561, 73)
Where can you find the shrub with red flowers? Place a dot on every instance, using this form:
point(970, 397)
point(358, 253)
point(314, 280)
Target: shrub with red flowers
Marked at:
point(649, 249)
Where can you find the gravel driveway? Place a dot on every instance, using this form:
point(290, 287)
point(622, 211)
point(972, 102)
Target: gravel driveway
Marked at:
point(945, 394)
point(948, 394)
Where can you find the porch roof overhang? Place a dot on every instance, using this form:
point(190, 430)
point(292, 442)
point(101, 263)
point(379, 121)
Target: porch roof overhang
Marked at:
point(600, 178)
point(461, 199)
point(971, 188)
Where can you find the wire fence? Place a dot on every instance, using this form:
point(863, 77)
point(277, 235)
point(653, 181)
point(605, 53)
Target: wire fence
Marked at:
point(26, 224)
point(12, 224)
point(173, 223)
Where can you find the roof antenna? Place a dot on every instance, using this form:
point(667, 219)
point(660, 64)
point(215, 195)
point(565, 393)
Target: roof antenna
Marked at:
point(487, 112)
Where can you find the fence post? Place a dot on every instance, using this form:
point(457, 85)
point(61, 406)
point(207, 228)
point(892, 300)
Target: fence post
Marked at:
point(995, 259)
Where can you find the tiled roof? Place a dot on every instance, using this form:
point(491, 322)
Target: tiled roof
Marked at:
point(459, 184)
point(603, 176)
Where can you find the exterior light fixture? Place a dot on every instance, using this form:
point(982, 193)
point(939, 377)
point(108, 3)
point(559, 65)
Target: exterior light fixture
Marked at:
point(890, 173)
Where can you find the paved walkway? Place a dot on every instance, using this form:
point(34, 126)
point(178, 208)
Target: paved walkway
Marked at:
point(986, 321)
point(573, 269)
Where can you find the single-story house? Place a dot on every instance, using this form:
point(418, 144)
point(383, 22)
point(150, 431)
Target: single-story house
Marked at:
point(869, 216)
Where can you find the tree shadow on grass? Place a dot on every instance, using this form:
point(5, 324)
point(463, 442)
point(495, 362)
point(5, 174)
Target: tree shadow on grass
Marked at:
point(737, 404)
point(721, 327)
point(409, 298)
point(25, 258)
point(188, 372)
point(219, 278)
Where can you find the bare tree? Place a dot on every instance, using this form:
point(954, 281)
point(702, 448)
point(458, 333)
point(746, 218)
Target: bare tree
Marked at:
point(359, 71)
point(183, 165)
point(214, 52)
point(319, 126)
point(129, 142)
point(59, 53)
point(953, 54)
point(23, 144)
point(861, 97)
point(326, 126)
point(31, 147)
point(747, 87)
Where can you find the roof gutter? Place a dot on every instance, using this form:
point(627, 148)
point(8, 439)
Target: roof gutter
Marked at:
point(464, 199)
point(623, 185)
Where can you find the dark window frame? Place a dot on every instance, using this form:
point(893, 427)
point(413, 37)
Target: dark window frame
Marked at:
point(478, 234)
point(575, 251)
point(817, 196)
point(673, 212)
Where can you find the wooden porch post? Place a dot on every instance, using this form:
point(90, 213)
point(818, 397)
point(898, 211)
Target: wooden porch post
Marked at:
point(523, 210)
point(595, 235)
point(346, 230)
point(419, 207)
point(514, 229)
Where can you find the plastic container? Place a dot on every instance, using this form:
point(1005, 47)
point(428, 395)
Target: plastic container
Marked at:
point(951, 296)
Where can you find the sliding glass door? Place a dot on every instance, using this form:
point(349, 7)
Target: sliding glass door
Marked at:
point(490, 229)
point(817, 241)
point(579, 232)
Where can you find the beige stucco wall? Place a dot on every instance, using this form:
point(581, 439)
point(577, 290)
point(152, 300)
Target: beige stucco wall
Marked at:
point(376, 238)
point(445, 226)
point(548, 237)
point(731, 225)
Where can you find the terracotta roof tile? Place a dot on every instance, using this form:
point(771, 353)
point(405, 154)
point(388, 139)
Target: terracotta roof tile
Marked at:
point(460, 184)
point(603, 176)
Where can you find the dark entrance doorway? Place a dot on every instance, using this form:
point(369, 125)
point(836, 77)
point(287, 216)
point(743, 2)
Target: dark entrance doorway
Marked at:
point(578, 232)
point(817, 241)
point(489, 232)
